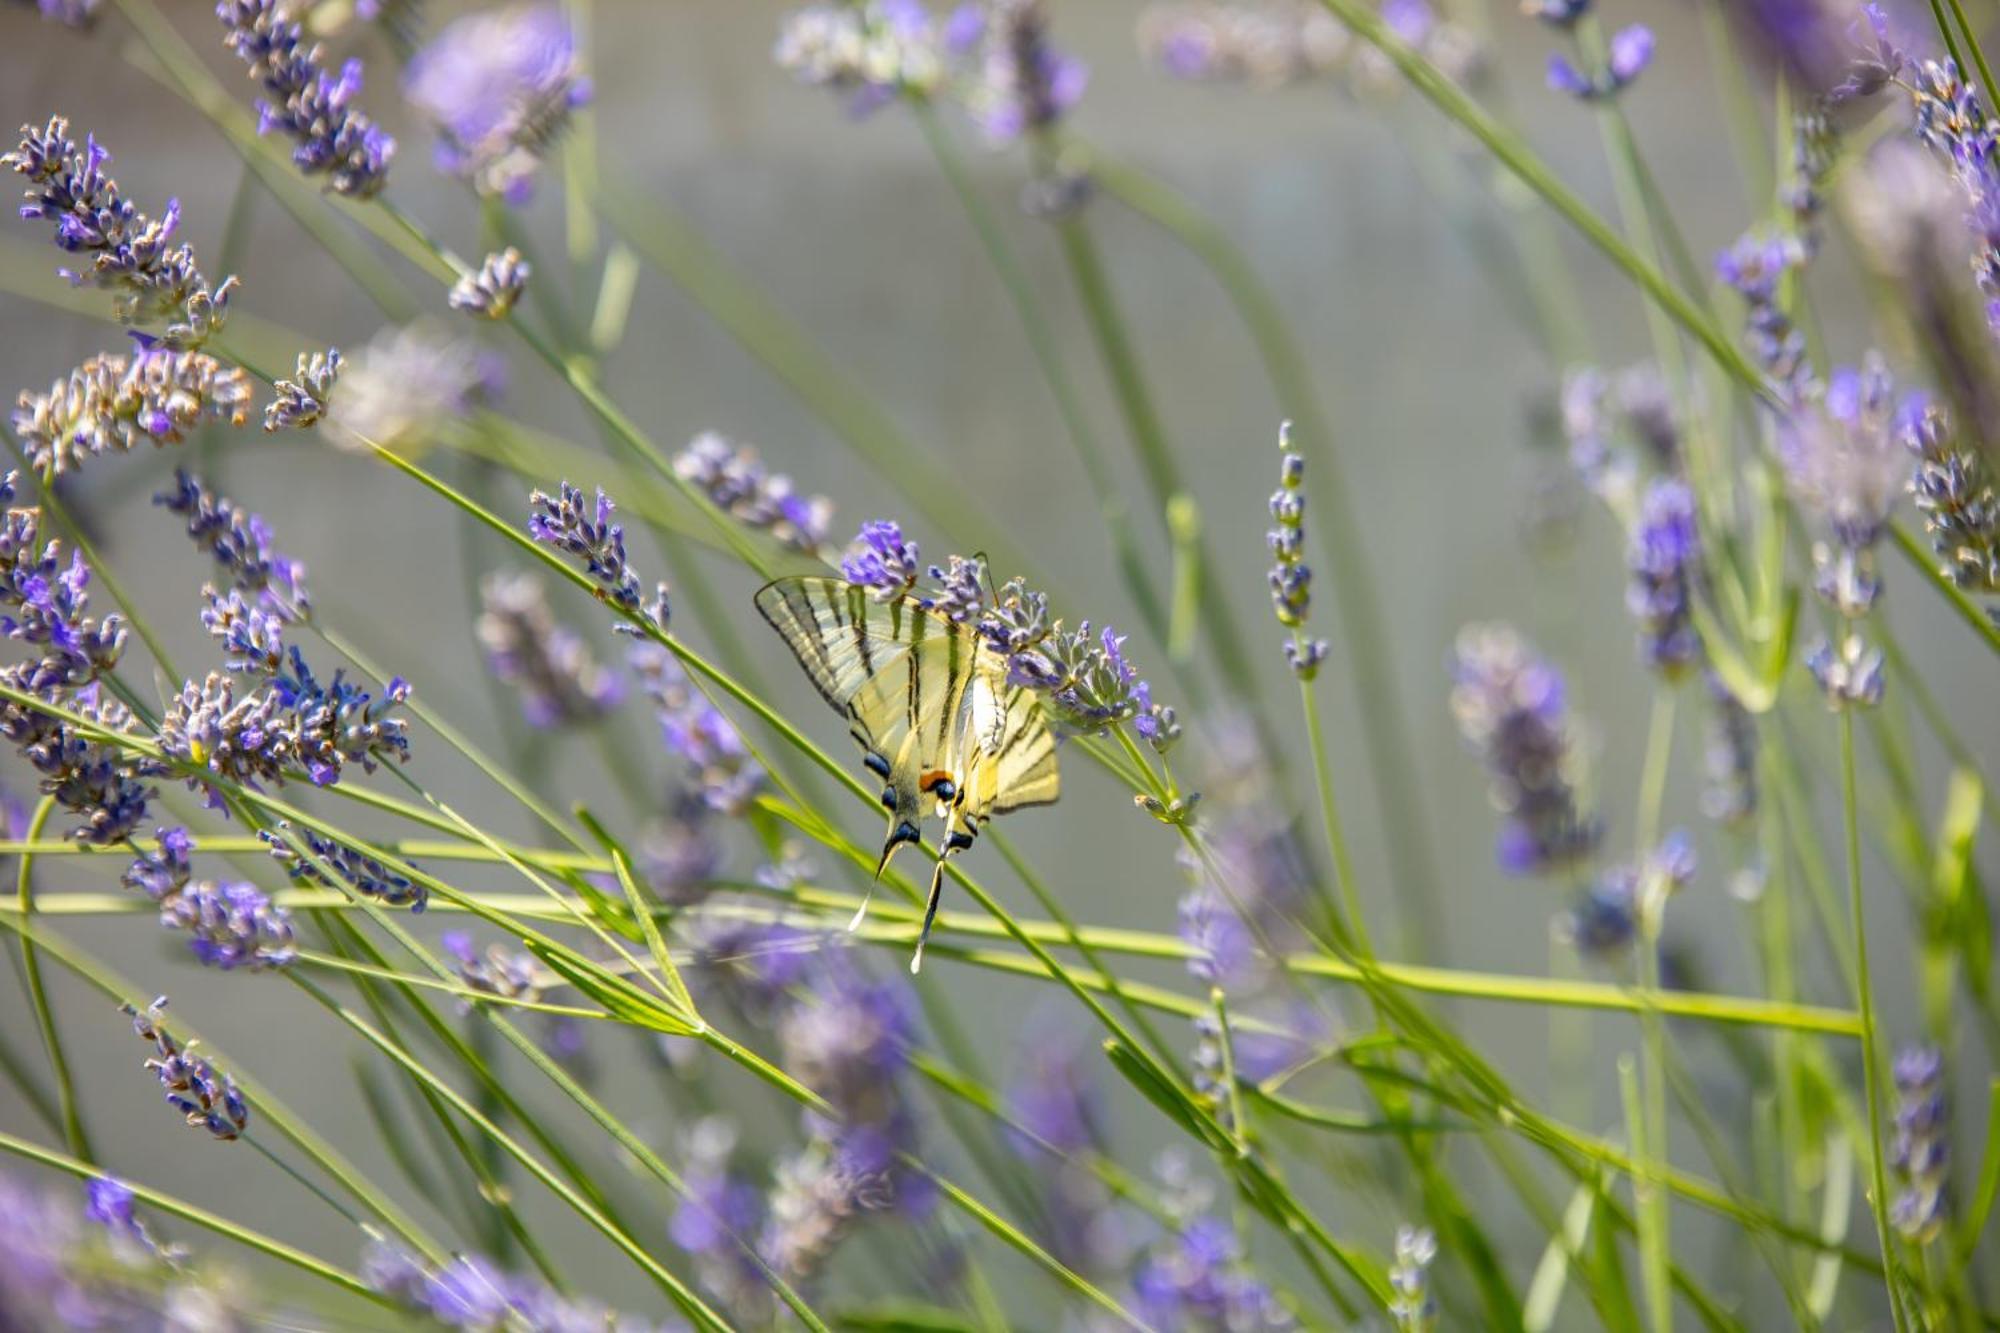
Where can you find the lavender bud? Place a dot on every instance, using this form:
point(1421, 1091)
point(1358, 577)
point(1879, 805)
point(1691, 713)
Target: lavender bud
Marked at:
point(306, 103)
point(208, 1098)
point(301, 401)
point(492, 290)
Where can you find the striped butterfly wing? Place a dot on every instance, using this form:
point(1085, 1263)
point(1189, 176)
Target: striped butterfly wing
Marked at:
point(1014, 759)
point(897, 672)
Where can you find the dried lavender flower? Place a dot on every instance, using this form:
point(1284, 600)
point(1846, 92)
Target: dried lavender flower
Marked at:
point(206, 1096)
point(313, 108)
point(874, 51)
point(1952, 490)
point(491, 291)
point(474, 1294)
point(132, 255)
point(301, 401)
point(113, 403)
point(499, 87)
point(548, 664)
point(406, 385)
point(1196, 1278)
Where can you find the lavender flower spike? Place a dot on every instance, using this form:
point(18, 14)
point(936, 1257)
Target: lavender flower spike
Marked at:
point(132, 255)
point(114, 403)
point(207, 1097)
point(742, 487)
point(301, 401)
point(491, 291)
point(314, 108)
point(548, 664)
point(881, 561)
point(586, 533)
point(499, 87)
point(1921, 1152)
point(1291, 577)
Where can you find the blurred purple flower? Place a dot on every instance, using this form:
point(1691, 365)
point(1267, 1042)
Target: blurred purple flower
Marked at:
point(499, 87)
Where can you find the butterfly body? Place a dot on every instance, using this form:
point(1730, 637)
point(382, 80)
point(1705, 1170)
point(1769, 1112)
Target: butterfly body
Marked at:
point(931, 706)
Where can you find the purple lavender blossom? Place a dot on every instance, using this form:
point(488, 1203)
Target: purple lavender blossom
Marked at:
point(301, 401)
point(1755, 266)
point(1197, 1279)
point(1952, 490)
point(103, 784)
point(1291, 577)
point(357, 870)
point(1026, 85)
point(1556, 13)
point(231, 925)
point(315, 109)
point(1663, 558)
point(108, 1202)
point(875, 51)
point(881, 561)
point(1842, 455)
point(1921, 1150)
point(753, 964)
point(239, 541)
point(549, 665)
point(113, 403)
point(1849, 674)
point(586, 533)
point(474, 1294)
point(44, 600)
point(719, 1208)
point(491, 290)
point(1512, 708)
point(1952, 121)
point(499, 86)
point(208, 1098)
point(1605, 921)
point(1414, 1308)
point(69, 13)
point(739, 484)
point(132, 255)
point(694, 728)
point(1631, 50)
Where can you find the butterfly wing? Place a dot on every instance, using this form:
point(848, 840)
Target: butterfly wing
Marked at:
point(897, 672)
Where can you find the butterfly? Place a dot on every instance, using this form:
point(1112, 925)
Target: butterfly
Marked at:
point(929, 702)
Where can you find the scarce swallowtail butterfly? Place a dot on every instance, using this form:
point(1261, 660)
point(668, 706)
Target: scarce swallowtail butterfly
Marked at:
point(930, 705)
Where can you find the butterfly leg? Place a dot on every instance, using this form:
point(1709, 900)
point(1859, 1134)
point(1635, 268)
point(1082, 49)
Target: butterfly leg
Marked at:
point(955, 841)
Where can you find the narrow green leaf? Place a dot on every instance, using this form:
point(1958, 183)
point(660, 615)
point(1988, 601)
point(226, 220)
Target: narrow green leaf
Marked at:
point(1552, 1273)
point(619, 998)
point(903, 1319)
point(1171, 1101)
point(642, 910)
point(1989, 1180)
point(1836, 1207)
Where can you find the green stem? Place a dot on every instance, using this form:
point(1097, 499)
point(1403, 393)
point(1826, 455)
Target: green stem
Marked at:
point(1871, 1053)
point(74, 1133)
point(1336, 836)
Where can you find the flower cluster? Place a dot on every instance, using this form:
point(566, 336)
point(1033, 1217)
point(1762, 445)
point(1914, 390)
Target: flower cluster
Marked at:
point(100, 1267)
point(229, 925)
point(208, 1097)
point(1953, 491)
point(499, 86)
point(314, 108)
point(491, 290)
point(1606, 919)
point(115, 402)
point(298, 721)
point(1663, 557)
point(1291, 577)
point(1261, 881)
point(851, 1044)
point(510, 975)
point(301, 401)
point(1513, 709)
point(1630, 51)
point(357, 870)
point(1755, 266)
point(1060, 1122)
point(720, 1214)
point(240, 542)
point(695, 729)
point(1414, 1308)
point(1921, 1151)
point(586, 533)
point(44, 602)
point(880, 560)
point(1025, 85)
point(739, 484)
point(1196, 1278)
point(69, 13)
point(1600, 412)
point(1953, 123)
point(1275, 42)
point(474, 1294)
point(875, 51)
point(548, 664)
point(154, 280)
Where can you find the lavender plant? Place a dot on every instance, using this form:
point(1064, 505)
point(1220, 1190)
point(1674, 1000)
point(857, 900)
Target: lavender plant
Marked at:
point(581, 1040)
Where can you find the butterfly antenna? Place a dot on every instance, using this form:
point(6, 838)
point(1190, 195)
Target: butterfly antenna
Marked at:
point(930, 913)
point(986, 569)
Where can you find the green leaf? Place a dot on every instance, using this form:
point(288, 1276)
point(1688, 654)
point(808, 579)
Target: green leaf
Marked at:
point(642, 911)
point(620, 998)
point(1552, 1273)
point(903, 1319)
point(1989, 1180)
point(1956, 880)
point(1174, 1103)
